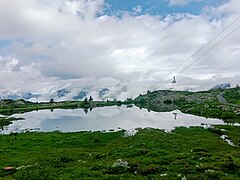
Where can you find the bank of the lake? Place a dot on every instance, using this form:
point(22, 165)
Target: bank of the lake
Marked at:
point(104, 119)
point(5, 121)
point(203, 103)
point(9, 107)
point(194, 153)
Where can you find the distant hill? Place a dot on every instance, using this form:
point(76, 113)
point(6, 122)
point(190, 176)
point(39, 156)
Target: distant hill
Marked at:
point(221, 86)
point(203, 103)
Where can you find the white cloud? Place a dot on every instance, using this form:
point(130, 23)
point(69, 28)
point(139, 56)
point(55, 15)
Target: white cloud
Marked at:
point(181, 2)
point(60, 42)
point(137, 9)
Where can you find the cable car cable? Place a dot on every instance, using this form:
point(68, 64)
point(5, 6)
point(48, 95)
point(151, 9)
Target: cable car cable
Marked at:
point(209, 50)
point(215, 37)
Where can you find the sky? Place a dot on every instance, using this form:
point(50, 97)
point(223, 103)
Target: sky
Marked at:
point(125, 46)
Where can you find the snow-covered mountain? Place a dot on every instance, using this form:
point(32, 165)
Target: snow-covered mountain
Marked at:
point(221, 86)
point(14, 96)
point(65, 93)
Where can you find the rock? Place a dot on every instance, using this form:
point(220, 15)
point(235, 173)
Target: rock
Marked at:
point(184, 178)
point(120, 163)
point(9, 168)
point(163, 174)
point(119, 167)
point(209, 171)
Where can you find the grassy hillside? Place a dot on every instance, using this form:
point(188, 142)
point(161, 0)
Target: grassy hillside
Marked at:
point(193, 153)
point(204, 103)
point(233, 96)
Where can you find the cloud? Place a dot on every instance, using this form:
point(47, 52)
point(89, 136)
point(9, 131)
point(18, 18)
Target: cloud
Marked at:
point(137, 9)
point(62, 43)
point(182, 2)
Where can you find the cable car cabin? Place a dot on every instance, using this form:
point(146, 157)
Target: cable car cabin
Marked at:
point(174, 80)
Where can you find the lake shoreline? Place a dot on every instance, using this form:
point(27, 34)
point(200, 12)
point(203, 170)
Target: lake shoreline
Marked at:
point(104, 119)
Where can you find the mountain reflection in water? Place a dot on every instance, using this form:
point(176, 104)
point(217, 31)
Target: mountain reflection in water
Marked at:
point(104, 119)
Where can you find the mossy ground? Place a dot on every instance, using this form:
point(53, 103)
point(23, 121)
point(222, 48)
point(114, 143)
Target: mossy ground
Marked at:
point(195, 153)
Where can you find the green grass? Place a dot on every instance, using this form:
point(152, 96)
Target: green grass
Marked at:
point(233, 96)
point(204, 103)
point(195, 153)
point(231, 131)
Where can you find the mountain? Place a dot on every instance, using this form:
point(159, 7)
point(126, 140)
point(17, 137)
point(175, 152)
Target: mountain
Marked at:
point(60, 93)
point(81, 95)
point(28, 96)
point(221, 86)
point(103, 93)
point(15, 96)
point(63, 94)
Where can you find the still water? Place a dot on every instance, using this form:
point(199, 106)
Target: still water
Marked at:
point(104, 119)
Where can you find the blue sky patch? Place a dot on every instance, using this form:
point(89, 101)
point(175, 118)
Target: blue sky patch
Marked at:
point(5, 43)
point(158, 7)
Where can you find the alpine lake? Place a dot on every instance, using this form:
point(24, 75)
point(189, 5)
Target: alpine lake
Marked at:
point(104, 119)
point(118, 143)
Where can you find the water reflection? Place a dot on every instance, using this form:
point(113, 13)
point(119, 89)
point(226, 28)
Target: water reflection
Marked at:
point(175, 115)
point(85, 110)
point(105, 118)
